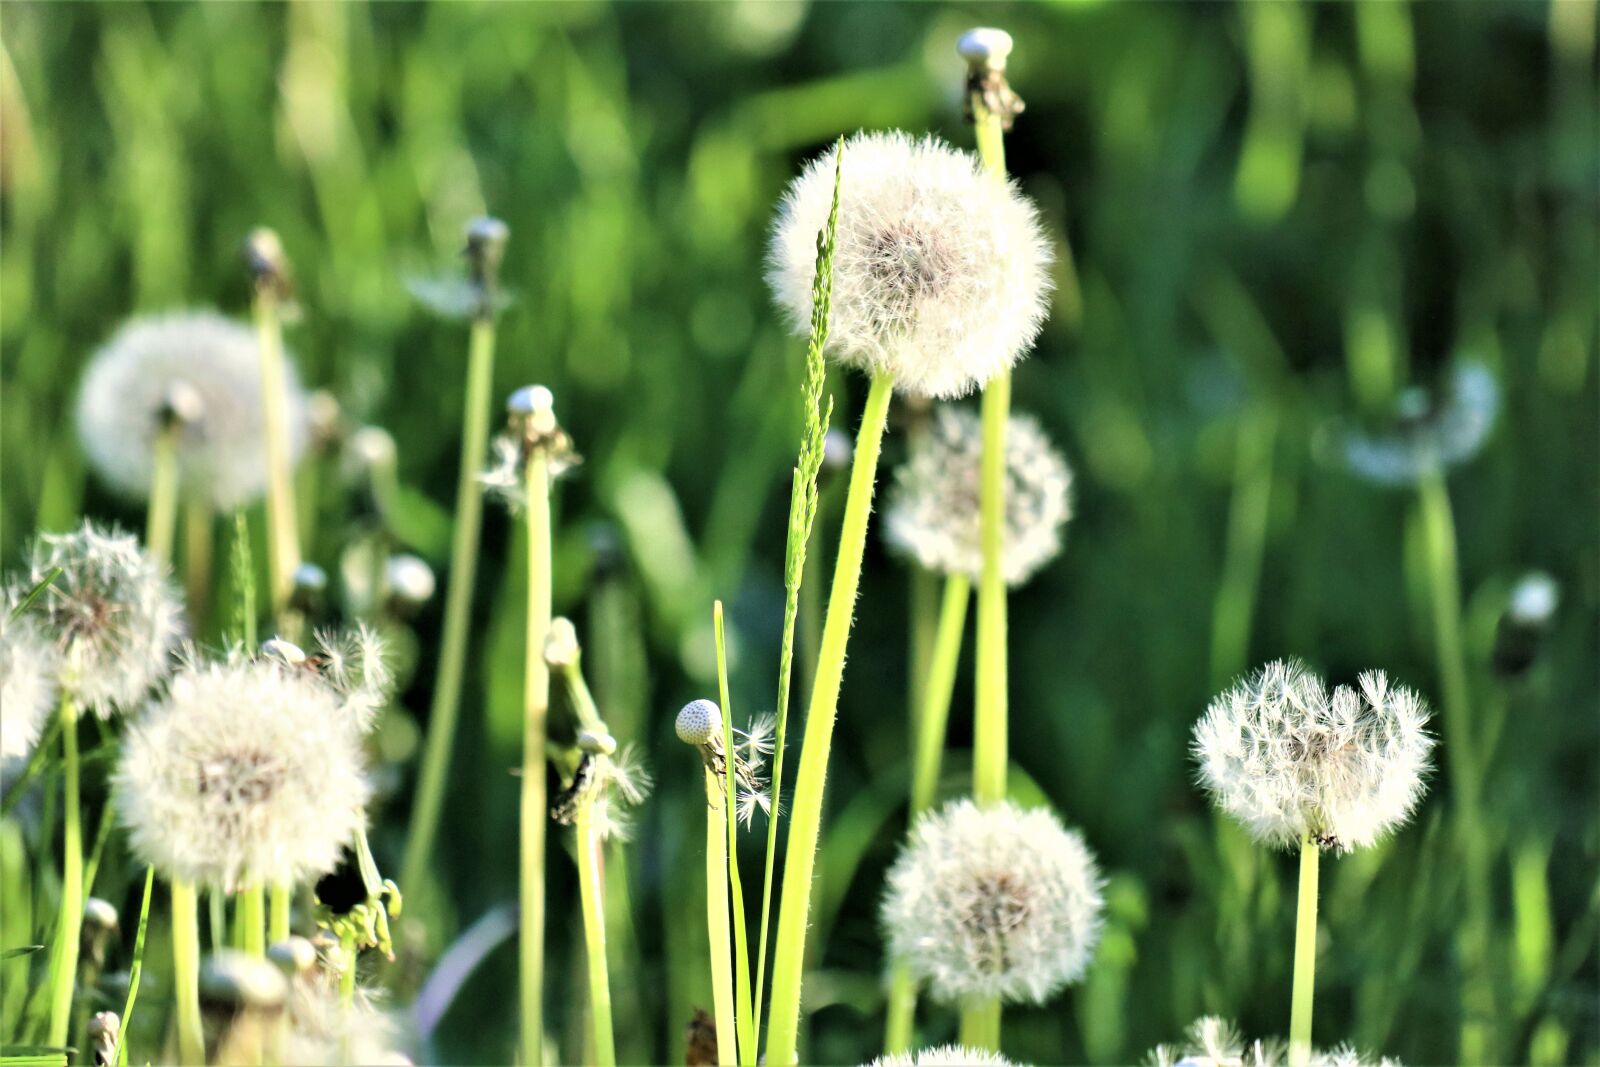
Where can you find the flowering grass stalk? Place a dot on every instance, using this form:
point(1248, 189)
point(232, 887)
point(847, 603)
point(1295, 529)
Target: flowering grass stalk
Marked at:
point(265, 254)
point(136, 968)
point(69, 921)
point(186, 973)
point(486, 247)
point(1305, 956)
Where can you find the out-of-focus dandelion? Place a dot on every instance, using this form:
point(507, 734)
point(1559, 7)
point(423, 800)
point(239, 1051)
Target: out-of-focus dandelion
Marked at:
point(1430, 431)
point(196, 371)
point(1215, 1042)
point(993, 902)
point(27, 681)
point(1529, 613)
point(941, 273)
point(944, 1056)
point(932, 511)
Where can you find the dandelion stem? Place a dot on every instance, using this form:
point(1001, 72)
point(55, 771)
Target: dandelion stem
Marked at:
point(718, 926)
point(135, 969)
point(536, 706)
point(198, 523)
point(161, 514)
point(283, 539)
point(251, 917)
point(217, 907)
point(591, 884)
point(980, 1024)
point(805, 823)
point(69, 923)
point(902, 1013)
point(1305, 956)
point(458, 605)
point(278, 913)
point(744, 1016)
point(186, 974)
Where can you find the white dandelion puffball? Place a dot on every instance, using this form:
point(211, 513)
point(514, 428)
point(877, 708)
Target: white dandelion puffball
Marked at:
point(213, 362)
point(933, 516)
point(993, 902)
point(1214, 1042)
point(699, 722)
point(244, 774)
point(944, 1056)
point(27, 682)
point(940, 274)
point(1288, 760)
point(112, 614)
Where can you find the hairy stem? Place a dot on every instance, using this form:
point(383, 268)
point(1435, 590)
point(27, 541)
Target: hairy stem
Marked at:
point(536, 707)
point(1305, 957)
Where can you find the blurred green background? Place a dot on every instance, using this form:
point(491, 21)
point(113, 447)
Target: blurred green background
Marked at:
point(1279, 214)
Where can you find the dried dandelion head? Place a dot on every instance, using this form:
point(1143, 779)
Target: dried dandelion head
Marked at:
point(1215, 1042)
point(1289, 761)
point(112, 615)
point(200, 373)
point(941, 274)
point(993, 902)
point(27, 681)
point(933, 509)
point(248, 772)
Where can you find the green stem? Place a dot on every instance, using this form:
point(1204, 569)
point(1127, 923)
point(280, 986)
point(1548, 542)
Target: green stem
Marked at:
point(217, 907)
point(251, 917)
point(283, 538)
point(186, 974)
point(743, 1013)
point(161, 510)
point(135, 969)
point(347, 976)
point(278, 913)
point(69, 921)
point(591, 887)
point(937, 690)
point(899, 1030)
point(198, 527)
point(1305, 957)
point(536, 707)
point(718, 926)
point(102, 834)
point(458, 607)
point(1247, 536)
point(980, 1024)
point(805, 823)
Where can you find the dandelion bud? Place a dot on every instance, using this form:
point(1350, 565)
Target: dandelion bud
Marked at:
point(370, 449)
point(1289, 761)
point(940, 274)
point(561, 645)
point(99, 924)
point(944, 1056)
point(182, 405)
point(486, 248)
point(236, 981)
point(323, 419)
point(28, 671)
point(309, 588)
point(286, 652)
point(699, 722)
point(985, 48)
point(596, 742)
point(411, 582)
point(105, 1030)
point(1528, 615)
point(993, 902)
point(295, 957)
point(267, 261)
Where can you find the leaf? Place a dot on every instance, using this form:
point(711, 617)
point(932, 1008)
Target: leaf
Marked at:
point(18, 953)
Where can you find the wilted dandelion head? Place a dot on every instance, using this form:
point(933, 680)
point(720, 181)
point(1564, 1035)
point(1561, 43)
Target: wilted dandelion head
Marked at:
point(246, 773)
point(933, 509)
point(201, 370)
point(112, 615)
point(993, 902)
point(1429, 430)
point(943, 1056)
point(27, 681)
point(940, 274)
point(1288, 760)
point(1214, 1042)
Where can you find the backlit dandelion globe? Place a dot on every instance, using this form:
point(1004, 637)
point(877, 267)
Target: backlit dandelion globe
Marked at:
point(1216, 1042)
point(943, 1056)
point(27, 681)
point(941, 271)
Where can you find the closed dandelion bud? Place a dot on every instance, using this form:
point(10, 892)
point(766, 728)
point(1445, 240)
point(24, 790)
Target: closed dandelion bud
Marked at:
point(309, 590)
point(112, 615)
point(932, 514)
point(199, 373)
point(105, 1030)
point(28, 669)
point(699, 722)
point(561, 644)
point(596, 742)
point(1290, 761)
point(985, 48)
point(247, 772)
point(99, 924)
point(486, 248)
point(411, 582)
point(941, 273)
point(295, 957)
point(993, 902)
point(944, 1056)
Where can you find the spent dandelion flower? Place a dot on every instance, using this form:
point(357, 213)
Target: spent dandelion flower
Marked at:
point(941, 274)
point(112, 615)
point(993, 902)
point(1290, 761)
point(28, 673)
point(1430, 430)
point(699, 723)
point(944, 1056)
point(1215, 1042)
point(196, 369)
point(933, 515)
point(245, 773)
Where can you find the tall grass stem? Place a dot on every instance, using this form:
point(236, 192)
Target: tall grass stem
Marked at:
point(135, 968)
point(744, 1016)
point(719, 930)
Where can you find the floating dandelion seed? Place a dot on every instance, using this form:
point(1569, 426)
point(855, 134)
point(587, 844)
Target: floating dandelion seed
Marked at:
point(944, 1056)
point(207, 368)
point(941, 274)
point(932, 513)
point(1432, 432)
point(1287, 760)
point(1214, 1042)
point(355, 665)
point(112, 615)
point(993, 902)
point(246, 773)
point(27, 681)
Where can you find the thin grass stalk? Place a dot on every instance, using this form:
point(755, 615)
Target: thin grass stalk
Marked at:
point(805, 824)
point(536, 706)
point(186, 974)
point(283, 539)
point(198, 530)
point(161, 510)
point(719, 930)
point(135, 969)
point(744, 1015)
point(804, 500)
point(1305, 956)
point(69, 921)
point(102, 834)
point(446, 704)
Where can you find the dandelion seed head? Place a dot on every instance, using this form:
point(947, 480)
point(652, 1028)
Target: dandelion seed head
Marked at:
point(698, 722)
point(112, 615)
point(28, 671)
point(1429, 431)
point(1534, 600)
point(933, 513)
point(202, 368)
point(1214, 1042)
point(985, 47)
point(993, 902)
point(1288, 760)
point(940, 274)
point(943, 1056)
point(245, 773)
